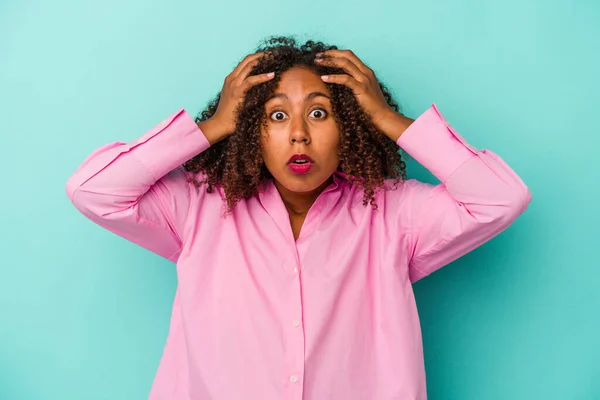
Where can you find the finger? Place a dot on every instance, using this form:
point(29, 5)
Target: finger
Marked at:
point(241, 77)
point(351, 56)
point(256, 79)
point(343, 79)
point(345, 64)
point(248, 59)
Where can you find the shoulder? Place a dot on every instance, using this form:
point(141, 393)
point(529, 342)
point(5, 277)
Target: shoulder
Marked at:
point(190, 184)
point(399, 198)
point(402, 190)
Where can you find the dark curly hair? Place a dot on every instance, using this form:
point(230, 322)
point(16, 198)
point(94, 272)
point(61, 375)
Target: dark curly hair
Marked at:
point(367, 156)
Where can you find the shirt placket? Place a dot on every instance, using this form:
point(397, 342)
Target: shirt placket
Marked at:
point(294, 337)
point(294, 326)
point(293, 323)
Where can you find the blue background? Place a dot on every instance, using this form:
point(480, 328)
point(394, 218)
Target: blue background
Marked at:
point(84, 314)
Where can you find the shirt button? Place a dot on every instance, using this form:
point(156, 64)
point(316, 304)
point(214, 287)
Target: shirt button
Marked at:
point(295, 270)
point(294, 378)
point(296, 323)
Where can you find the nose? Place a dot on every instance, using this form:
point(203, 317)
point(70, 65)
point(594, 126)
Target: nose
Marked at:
point(299, 132)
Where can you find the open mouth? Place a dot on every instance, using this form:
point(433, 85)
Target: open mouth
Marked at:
point(300, 163)
point(300, 159)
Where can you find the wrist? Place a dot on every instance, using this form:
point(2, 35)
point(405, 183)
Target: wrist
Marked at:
point(214, 130)
point(394, 124)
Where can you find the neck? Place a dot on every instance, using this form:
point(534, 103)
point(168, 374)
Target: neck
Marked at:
point(298, 203)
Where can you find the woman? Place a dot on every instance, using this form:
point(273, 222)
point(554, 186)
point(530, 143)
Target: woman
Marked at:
point(295, 231)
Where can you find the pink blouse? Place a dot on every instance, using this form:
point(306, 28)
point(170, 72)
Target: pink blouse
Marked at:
point(331, 316)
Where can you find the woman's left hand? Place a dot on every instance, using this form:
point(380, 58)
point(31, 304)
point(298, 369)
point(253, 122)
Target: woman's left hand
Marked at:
point(361, 79)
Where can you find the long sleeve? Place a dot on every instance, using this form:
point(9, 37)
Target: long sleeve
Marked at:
point(138, 190)
point(478, 196)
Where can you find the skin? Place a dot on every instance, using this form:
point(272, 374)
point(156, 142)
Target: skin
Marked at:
point(300, 132)
point(300, 123)
point(293, 127)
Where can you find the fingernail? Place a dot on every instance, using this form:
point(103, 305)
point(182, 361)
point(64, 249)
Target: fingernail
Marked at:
point(271, 74)
point(324, 77)
point(318, 59)
point(319, 54)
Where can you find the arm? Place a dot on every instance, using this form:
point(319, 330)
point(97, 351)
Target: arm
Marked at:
point(139, 190)
point(479, 195)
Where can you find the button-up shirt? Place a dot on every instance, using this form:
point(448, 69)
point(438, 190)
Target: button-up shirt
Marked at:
point(258, 315)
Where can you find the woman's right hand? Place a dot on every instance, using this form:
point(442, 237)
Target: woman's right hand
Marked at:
point(237, 83)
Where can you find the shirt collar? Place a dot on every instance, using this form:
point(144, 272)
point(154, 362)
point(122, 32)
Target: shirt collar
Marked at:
point(338, 178)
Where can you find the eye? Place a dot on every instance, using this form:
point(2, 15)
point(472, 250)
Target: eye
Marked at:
point(279, 115)
point(320, 113)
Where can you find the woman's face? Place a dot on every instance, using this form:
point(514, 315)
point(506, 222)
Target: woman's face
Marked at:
point(300, 122)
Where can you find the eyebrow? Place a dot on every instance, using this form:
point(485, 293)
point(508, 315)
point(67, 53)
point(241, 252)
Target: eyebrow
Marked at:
point(309, 96)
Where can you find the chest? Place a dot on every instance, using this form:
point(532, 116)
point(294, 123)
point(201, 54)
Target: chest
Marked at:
point(337, 234)
point(296, 223)
point(323, 244)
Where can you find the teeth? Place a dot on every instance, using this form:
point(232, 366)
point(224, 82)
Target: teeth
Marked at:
point(301, 161)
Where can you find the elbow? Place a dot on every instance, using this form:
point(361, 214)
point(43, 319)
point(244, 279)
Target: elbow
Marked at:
point(526, 199)
point(71, 187)
point(514, 206)
point(82, 203)
point(521, 201)
point(74, 193)
point(91, 202)
point(499, 213)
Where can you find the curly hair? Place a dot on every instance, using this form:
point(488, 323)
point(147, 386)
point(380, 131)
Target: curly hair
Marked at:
point(367, 156)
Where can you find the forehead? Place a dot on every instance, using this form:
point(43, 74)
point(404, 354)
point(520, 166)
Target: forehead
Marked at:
point(298, 81)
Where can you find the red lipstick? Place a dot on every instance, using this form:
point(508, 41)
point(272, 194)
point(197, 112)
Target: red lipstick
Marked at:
point(300, 163)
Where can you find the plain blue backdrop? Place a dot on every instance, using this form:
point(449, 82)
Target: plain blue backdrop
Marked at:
point(84, 314)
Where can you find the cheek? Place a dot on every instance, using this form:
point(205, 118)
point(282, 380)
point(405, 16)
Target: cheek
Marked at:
point(333, 144)
point(272, 146)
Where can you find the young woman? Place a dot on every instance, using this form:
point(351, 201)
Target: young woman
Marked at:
point(295, 231)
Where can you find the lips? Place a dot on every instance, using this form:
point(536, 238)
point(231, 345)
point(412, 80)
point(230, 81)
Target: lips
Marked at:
point(300, 159)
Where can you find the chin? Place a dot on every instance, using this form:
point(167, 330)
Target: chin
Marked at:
point(306, 185)
point(300, 183)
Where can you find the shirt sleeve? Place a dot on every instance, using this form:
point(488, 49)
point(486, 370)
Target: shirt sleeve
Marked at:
point(478, 196)
point(139, 190)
